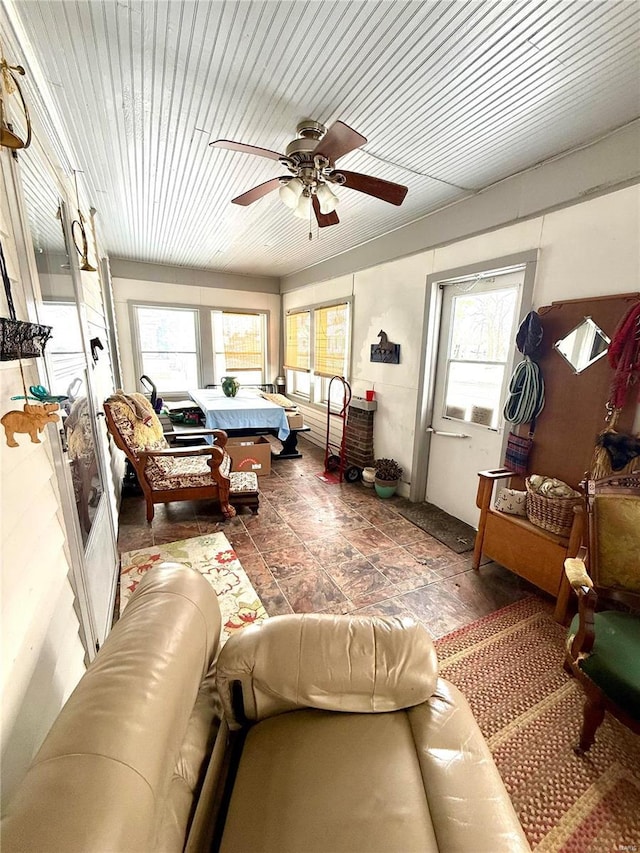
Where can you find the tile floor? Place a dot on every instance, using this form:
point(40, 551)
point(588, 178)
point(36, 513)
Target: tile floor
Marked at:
point(315, 547)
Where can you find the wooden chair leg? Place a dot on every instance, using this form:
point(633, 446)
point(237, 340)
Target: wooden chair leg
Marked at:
point(593, 715)
point(150, 509)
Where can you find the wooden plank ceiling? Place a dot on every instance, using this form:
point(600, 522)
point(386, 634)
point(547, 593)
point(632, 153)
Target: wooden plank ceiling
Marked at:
point(452, 96)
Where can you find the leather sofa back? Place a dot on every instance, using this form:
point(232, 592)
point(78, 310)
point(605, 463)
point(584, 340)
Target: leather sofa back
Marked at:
point(105, 777)
point(335, 663)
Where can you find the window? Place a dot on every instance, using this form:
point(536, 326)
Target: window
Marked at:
point(65, 352)
point(167, 346)
point(239, 348)
point(317, 348)
point(479, 346)
point(181, 348)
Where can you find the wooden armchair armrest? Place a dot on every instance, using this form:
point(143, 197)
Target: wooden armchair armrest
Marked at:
point(576, 571)
point(209, 450)
point(496, 473)
point(578, 576)
point(220, 435)
point(215, 454)
point(485, 485)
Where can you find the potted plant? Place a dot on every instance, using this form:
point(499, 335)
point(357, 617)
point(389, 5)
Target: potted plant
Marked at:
point(388, 472)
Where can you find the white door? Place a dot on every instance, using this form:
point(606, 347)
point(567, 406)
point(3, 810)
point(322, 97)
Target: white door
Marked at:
point(476, 348)
point(73, 310)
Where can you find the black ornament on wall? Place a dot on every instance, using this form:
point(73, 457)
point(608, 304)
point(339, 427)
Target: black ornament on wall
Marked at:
point(385, 351)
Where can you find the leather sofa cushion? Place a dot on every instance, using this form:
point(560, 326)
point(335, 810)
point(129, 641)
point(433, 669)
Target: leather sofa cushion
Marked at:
point(317, 781)
point(420, 779)
point(336, 663)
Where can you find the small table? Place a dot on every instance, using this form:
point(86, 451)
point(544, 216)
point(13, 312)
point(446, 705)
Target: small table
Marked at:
point(244, 412)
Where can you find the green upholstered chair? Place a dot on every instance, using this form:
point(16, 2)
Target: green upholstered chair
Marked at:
point(603, 646)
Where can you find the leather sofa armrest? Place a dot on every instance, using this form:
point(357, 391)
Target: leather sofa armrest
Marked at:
point(102, 776)
point(337, 663)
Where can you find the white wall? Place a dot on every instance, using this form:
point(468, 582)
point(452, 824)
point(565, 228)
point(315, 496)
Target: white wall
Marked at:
point(42, 656)
point(125, 289)
point(588, 249)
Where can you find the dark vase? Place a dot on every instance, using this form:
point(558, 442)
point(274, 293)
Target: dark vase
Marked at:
point(230, 386)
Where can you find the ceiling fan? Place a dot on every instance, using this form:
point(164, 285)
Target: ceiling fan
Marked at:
point(311, 158)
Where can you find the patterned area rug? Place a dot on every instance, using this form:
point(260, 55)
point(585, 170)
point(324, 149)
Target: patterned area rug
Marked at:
point(509, 666)
point(214, 557)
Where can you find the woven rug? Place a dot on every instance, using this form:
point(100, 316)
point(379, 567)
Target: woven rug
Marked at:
point(509, 666)
point(214, 557)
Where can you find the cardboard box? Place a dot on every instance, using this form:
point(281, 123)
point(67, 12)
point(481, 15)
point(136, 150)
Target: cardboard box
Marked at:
point(295, 420)
point(250, 453)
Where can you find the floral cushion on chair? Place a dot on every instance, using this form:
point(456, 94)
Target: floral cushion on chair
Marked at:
point(172, 473)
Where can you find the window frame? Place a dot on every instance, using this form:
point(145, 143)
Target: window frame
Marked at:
point(497, 421)
point(264, 318)
point(318, 384)
point(205, 347)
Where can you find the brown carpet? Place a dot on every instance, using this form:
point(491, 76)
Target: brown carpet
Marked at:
point(509, 666)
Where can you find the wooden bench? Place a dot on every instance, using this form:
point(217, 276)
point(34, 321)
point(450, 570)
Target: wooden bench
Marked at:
point(520, 546)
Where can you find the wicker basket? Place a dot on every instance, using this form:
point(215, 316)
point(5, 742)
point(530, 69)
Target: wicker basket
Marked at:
point(552, 514)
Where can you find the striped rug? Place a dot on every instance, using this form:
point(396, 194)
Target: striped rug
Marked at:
point(509, 666)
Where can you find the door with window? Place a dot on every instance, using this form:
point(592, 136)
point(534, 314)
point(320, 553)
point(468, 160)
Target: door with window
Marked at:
point(474, 363)
point(78, 369)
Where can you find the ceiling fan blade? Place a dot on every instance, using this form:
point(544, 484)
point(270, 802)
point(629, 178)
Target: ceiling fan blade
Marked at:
point(324, 219)
point(257, 192)
point(245, 149)
point(339, 140)
point(385, 190)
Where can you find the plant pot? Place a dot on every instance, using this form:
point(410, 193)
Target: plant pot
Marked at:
point(385, 488)
point(230, 386)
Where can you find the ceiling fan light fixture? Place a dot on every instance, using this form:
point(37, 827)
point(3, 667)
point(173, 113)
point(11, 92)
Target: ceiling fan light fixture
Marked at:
point(327, 199)
point(303, 208)
point(290, 192)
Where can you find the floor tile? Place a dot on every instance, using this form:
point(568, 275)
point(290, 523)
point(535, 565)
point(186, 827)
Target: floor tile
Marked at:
point(284, 562)
point(357, 577)
point(315, 547)
point(311, 591)
point(369, 540)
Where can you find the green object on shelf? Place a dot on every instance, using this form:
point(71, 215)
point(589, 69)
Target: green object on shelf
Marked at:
point(230, 386)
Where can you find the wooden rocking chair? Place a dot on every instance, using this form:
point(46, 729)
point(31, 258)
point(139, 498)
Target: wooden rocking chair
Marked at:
point(176, 474)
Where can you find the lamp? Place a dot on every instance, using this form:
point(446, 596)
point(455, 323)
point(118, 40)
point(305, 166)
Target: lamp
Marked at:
point(303, 208)
point(327, 199)
point(290, 192)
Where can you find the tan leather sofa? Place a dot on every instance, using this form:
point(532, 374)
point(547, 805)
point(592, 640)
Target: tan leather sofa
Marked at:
point(337, 735)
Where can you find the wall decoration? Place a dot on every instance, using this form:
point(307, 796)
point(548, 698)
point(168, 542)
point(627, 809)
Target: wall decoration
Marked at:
point(9, 86)
point(385, 351)
point(31, 421)
point(18, 339)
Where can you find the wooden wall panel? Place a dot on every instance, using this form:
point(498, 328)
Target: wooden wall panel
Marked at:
point(574, 410)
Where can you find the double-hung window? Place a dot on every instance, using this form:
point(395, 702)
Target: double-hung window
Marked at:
point(167, 346)
point(317, 342)
point(239, 345)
